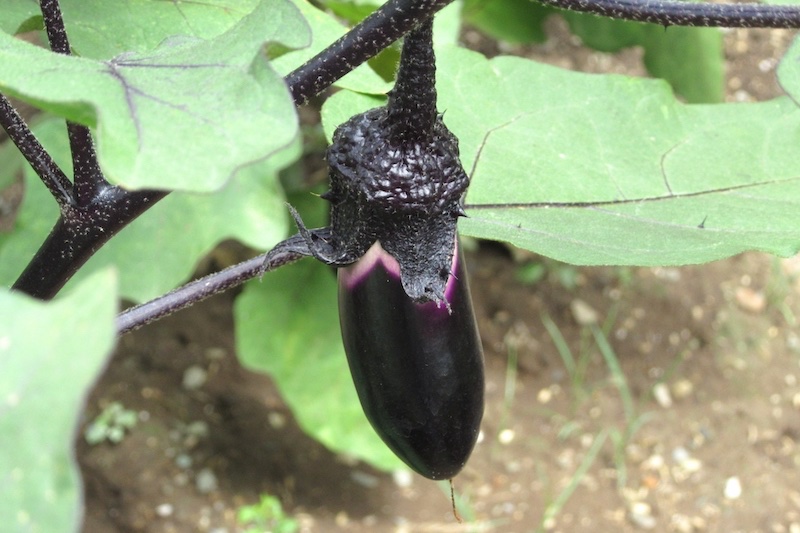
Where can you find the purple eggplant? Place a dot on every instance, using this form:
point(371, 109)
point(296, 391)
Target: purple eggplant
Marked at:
point(417, 367)
point(397, 187)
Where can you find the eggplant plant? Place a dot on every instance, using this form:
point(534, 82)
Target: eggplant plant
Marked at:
point(179, 118)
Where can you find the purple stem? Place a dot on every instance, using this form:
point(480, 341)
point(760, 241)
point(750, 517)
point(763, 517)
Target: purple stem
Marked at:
point(412, 102)
point(681, 13)
point(32, 150)
point(383, 27)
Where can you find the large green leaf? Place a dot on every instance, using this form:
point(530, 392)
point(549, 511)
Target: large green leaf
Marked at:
point(173, 235)
point(49, 356)
point(288, 326)
point(184, 116)
point(613, 170)
point(100, 29)
point(516, 21)
point(19, 15)
point(690, 59)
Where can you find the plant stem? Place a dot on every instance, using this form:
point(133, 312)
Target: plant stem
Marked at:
point(383, 27)
point(87, 176)
point(283, 253)
point(680, 13)
point(32, 150)
point(412, 102)
point(78, 234)
point(54, 26)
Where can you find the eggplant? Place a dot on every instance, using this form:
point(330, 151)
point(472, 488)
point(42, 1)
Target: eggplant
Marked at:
point(397, 190)
point(417, 367)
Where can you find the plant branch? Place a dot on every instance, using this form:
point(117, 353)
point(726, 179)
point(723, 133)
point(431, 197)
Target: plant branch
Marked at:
point(54, 26)
point(32, 150)
point(88, 178)
point(383, 27)
point(283, 253)
point(78, 234)
point(680, 13)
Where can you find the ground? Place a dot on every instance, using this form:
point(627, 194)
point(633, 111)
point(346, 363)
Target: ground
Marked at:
point(690, 420)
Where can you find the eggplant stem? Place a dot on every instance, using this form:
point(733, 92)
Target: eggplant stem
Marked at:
point(412, 102)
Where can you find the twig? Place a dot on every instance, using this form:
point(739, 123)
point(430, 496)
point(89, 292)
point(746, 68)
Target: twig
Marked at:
point(283, 253)
point(678, 13)
point(32, 150)
point(383, 27)
point(87, 176)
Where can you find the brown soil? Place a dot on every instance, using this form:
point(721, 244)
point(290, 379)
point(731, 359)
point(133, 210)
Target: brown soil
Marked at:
point(710, 356)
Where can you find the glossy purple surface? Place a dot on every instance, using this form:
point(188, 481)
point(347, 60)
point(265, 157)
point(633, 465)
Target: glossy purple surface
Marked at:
point(418, 368)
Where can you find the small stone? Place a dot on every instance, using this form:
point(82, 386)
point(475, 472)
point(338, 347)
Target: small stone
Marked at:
point(506, 436)
point(583, 313)
point(206, 481)
point(751, 300)
point(365, 480)
point(682, 388)
point(198, 428)
point(276, 420)
point(194, 377)
point(164, 510)
point(733, 488)
point(641, 516)
point(183, 461)
point(545, 395)
point(342, 519)
point(662, 395)
point(402, 478)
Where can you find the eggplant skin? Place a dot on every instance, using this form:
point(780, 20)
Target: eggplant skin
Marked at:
point(417, 367)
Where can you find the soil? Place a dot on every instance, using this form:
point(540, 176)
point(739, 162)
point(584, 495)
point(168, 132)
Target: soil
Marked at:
point(698, 432)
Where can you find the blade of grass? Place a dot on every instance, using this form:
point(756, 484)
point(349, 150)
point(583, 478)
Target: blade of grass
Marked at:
point(617, 377)
point(555, 507)
point(561, 344)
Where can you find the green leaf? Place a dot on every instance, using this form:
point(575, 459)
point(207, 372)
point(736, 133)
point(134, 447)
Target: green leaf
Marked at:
point(50, 354)
point(10, 164)
point(185, 116)
point(17, 16)
point(288, 326)
point(174, 234)
point(325, 30)
point(690, 59)
point(613, 170)
point(100, 29)
point(515, 21)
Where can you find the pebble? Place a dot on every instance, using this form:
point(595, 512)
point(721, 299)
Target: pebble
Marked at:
point(206, 481)
point(183, 461)
point(751, 300)
point(662, 395)
point(402, 478)
point(276, 420)
point(198, 428)
point(642, 516)
point(365, 480)
point(506, 436)
point(682, 388)
point(733, 488)
point(583, 313)
point(164, 510)
point(194, 377)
